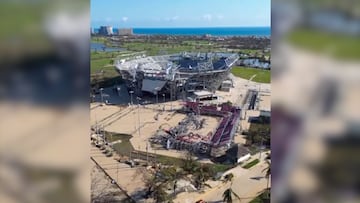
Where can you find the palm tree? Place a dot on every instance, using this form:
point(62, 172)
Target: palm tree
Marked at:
point(159, 194)
point(227, 195)
point(201, 173)
point(229, 177)
point(199, 177)
point(267, 173)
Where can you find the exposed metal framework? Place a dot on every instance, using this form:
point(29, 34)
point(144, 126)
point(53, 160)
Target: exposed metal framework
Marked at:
point(214, 143)
point(180, 73)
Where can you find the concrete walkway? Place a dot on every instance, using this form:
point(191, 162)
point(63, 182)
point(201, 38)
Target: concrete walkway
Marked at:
point(247, 184)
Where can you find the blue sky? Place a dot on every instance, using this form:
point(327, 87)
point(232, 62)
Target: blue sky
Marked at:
point(180, 13)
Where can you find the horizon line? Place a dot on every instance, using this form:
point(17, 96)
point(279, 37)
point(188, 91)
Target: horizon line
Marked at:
point(265, 26)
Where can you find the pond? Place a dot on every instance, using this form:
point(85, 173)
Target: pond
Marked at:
point(98, 46)
point(255, 63)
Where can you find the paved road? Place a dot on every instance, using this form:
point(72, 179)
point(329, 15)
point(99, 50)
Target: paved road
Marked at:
point(247, 184)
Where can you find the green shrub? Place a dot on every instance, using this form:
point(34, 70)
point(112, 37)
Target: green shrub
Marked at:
point(251, 164)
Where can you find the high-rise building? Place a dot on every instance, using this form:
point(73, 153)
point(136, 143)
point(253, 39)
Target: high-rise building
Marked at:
point(125, 31)
point(106, 30)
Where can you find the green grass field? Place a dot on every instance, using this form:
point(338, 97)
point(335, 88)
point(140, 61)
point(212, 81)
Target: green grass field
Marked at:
point(97, 65)
point(101, 68)
point(98, 39)
point(251, 164)
point(334, 45)
point(249, 51)
point(155, 48)
point(103, 61)
point(262, 76)
point(262, 198)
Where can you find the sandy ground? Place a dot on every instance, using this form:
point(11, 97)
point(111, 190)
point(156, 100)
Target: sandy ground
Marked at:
point(238, 92)
point(125, 120)
point(103, 114)
point(240, 139)
point(265, 102)
point(245, 124)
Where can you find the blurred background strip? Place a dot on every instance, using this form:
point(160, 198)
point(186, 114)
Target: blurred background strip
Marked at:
point(44, 71)
point(316, 92)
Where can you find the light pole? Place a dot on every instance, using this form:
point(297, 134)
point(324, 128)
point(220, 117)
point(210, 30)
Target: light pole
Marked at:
point(164, 102)
point(198, 109)
point(118, 90)
point(157, 95)
point(131, 97)
point(138, 98)
point(261, 147)
point(101, 95)
point(170, 99)
point(117, 172)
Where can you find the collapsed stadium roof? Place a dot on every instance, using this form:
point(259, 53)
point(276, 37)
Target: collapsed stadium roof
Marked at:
point(146, 73)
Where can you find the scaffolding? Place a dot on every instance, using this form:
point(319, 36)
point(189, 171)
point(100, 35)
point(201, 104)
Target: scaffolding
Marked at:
point(213, 143)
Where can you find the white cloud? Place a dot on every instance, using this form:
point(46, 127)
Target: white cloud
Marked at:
point(207, 17)
point(124, 19)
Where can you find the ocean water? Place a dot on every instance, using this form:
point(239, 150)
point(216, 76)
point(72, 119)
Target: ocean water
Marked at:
point(229, 31)
point(215, 31)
